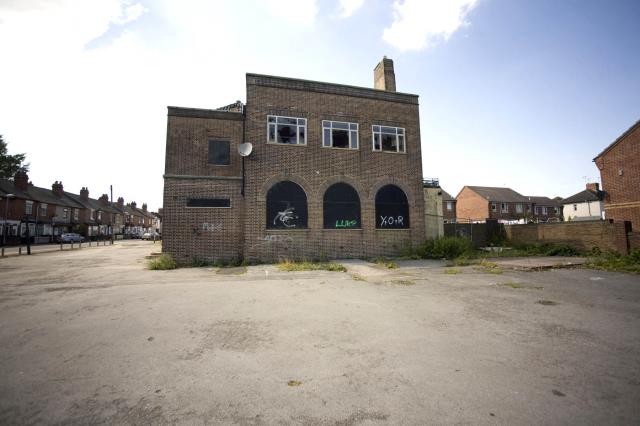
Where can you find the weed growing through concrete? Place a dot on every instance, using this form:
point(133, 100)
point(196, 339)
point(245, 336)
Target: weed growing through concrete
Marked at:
point(381, 261)
point(403, 282)
point(291, 266)
point(616, 262)
point(452, 271)
point(162, 262)
point(357, 277)
point(293, 383)
point(489, 268)
point(519, 285)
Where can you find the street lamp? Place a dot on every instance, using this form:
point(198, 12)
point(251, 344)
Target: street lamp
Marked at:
point(6, 212)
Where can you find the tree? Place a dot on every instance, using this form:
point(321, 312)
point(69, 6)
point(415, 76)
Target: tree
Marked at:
point(10, 164)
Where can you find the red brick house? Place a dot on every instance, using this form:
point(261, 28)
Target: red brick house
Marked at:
point(619, 166)
point(335, 172)
point(448, 207)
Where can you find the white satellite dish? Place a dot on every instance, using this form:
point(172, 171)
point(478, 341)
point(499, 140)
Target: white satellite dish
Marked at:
point(244, 149)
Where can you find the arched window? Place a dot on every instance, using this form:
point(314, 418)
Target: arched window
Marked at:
point(392, 208)
point(341, 207)
point(286, 206)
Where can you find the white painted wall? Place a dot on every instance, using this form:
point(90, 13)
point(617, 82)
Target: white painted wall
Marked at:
point(588, 210)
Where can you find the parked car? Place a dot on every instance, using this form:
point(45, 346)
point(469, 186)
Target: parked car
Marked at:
point(71, 237)
point(150, 236)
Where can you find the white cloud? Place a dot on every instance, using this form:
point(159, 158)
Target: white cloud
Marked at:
point(421, 23)
point(298, 12)
point(349, 7)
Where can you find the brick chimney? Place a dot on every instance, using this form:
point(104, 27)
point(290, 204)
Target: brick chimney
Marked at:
point(133, 205)
point(144, 207)
point(84, 194)
point(21, 180)
point(384, 78)
point(120, 203)
point(595, 187)
point(104, 200)
point(57, 188)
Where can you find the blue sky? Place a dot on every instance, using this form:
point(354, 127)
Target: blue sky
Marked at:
point(512, 92)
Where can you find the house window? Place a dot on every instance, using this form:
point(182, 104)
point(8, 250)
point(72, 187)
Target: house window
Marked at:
point(494, 207)
point(544, 210)
point(504, 208)
point(519, 208)
point(338, 134)
point(76, 214)
point(392, 208)
point(219, 153)
point(99, 215)
point(449, 205)
point(556, 210)
point(220, 203)
point(575, 207)
point(43, 209)
point(286, 130)
point(388, 139)
point(341, 207)
point(91, 214)
point(65, 213)
point(286, 206)
point(28, 207)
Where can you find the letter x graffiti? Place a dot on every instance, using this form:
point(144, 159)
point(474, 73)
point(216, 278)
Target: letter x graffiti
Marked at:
point(390, 220)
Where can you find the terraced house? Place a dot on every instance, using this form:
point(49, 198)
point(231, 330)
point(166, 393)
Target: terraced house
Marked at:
point(332, 171)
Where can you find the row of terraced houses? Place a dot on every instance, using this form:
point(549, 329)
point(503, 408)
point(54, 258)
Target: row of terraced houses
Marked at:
point(49, 213)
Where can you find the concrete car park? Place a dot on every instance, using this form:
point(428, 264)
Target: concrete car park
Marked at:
point(92, 337)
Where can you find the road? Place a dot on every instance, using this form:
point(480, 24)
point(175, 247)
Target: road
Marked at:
point(91, 337)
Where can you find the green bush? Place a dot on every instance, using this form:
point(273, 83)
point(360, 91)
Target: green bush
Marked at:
point(543, 249)
point(616, 262)
point(446, 247)
point(162, 262)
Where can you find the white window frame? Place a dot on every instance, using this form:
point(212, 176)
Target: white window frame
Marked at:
point(494, 207)
point(449, 205)
point(91, 214)
point(400, 134)
point(301, 123)
point(352, 129)
point(519, 208)
point(65, 213)
point(28, 207)
point(544, 210)
point(99, 214)
point(504, 208)
point(43, 209)
point(76, 214)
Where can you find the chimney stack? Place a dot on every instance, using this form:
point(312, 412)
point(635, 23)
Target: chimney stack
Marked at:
point(384, 78)
point(595, 187)
point(104, 200)
point(21, 180)
point(144, 207)
point(57, 189)
point(133, 205)
point(120, 203)
point(84, 194)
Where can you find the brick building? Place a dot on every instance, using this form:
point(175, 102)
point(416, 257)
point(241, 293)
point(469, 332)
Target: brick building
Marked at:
point(619, 166)
point(449, 211)
point(335, 172)
point(478, 203)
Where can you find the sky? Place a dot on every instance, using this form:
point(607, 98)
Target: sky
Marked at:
point(513, 93)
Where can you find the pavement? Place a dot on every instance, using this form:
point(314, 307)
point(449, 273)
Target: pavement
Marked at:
point(92, 337)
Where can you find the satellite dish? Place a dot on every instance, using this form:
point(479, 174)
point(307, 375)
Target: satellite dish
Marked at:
point(244, 149)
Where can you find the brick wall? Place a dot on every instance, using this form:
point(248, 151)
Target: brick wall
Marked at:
point(471, 205)
point(620, 174)
point(581, 235)
point(634, 240)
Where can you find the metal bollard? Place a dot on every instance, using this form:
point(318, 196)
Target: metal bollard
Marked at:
point(2, 251)
point(60, 245)
point(19, 250)
point(79, 244)
point(71, 245)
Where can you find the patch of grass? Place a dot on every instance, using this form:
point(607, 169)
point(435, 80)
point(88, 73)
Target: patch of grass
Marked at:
point(162, 262)
point(615, 262)
point(403, 282)
point(381, 261)
point(510, 284)
point(444, 248)
point(489, 268)
point(290, 266)
point(539, 249)
point(452, 271)
point(357, 277)
point(294, 383)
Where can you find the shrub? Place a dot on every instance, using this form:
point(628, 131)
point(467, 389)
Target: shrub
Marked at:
point(447, 247)
point(162, 262)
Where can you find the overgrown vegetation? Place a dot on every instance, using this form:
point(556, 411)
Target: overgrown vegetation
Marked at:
point(381, 261)
point(540, 249)
point(444, 248)
point(452, 271)
point(290, 266)
point(219, 263)
point(616, 262)
point(489, 267)
point(162, 262)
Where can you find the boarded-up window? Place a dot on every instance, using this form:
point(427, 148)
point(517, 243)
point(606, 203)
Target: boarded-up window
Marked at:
point(286, 206)
point(392, 208)
point(219, 153)
point(341, 207)
point(209, 202)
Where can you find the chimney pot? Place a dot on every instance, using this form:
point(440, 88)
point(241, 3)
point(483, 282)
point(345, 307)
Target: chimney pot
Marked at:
point(593, 186)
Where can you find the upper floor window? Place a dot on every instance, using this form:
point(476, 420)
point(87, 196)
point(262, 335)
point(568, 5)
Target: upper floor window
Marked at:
point(575, 207)
point(28, 207)
point(99, 215)
point(519, 208)
point(449, 205)
point(65, 213)
point(338, 134)
point(504, 208)
point(43, 209)
point(76, 213)
point(388, 139)
point(219, 153)
point(494, 207)
point(91, 214)
point(286, 130)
